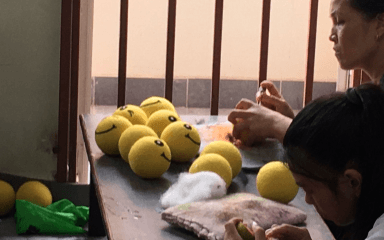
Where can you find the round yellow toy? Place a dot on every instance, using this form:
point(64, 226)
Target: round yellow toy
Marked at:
point(133, 113)
point(7, 198)
point(130, 136)
point(108, 133)
point(244, 232)
point(183, 139)
point(228, 151)
point(155, 103)
point(149, 157)
point(275, 181)
point(35, 192)
point(215, 163)
point(161, 119)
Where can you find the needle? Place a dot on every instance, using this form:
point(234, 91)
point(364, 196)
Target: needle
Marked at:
point(260, 92)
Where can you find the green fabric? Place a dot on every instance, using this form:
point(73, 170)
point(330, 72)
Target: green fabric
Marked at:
point(61, 217)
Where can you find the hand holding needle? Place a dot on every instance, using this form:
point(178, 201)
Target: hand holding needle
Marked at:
point(259, 93)
point(258, 231)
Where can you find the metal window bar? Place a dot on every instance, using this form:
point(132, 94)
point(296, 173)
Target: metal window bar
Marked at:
point(74, 92)
point(68, 95)
point(122, 52)
point(308, 84)
point(265, 19)
point(171, 29)
point(217, 57)
point(359, 77)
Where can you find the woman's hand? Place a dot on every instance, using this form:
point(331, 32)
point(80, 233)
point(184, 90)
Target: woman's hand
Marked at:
point(232, 234)
point(274, 101)
point(287, 232)
point(231, 231)
point(254, 123)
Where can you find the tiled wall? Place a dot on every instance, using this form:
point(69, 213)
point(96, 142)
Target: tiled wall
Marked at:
point(196, 93)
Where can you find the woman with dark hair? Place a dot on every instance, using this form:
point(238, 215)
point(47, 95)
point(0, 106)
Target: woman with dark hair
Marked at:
point(335, 150)
point(358, 37)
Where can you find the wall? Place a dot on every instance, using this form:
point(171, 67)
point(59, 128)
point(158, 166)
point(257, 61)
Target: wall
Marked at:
point(29, 86)
point(147, 27)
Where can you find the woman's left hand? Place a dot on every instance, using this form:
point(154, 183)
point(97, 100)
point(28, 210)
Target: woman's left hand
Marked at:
point(232, 234)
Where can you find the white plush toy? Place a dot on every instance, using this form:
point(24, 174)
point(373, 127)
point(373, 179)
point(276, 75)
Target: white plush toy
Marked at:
point(193, 187)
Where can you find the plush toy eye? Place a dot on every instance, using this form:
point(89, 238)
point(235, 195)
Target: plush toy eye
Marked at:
point(159, 143)
point(122, 108)
point(218, 187)
point(130, 112)
point(187, 126)
point(172, 118)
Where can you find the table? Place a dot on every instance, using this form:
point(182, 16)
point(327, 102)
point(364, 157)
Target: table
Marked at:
point(125, 206)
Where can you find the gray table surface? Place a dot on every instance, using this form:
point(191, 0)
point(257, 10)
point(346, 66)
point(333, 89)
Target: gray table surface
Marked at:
point(130, 205)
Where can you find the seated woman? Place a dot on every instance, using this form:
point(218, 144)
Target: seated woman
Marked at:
point(335, 150)
point(358, 41)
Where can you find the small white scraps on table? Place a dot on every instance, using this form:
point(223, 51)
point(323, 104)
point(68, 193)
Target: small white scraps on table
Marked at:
point(193, 187)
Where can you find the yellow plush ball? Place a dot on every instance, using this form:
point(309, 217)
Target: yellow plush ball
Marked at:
point(133, 113)
point(183, 139)
point(275, 181)
point(155, 103)
point(130, 136)
point(161, 119)
point(214, 163)
point(244, 232)
point(228, 151)
point(7, 198)
point(35, 192)
point(149, 157)
point(108, 133)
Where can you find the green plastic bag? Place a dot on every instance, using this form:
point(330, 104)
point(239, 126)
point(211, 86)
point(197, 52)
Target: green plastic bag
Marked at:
point(61, 217)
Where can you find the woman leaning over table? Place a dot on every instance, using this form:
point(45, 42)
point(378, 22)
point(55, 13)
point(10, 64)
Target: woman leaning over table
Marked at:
point(358, 37)
point(334, 148)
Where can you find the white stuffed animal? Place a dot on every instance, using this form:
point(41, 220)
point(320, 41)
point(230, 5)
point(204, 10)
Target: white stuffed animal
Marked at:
point(193, 187)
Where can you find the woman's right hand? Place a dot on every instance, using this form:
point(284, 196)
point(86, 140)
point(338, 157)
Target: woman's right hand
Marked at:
point(254, 123)
point(287, 232)
point(274, 101)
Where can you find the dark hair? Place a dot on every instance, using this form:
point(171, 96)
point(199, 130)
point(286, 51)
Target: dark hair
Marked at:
point(338, 132)
point(369, 8)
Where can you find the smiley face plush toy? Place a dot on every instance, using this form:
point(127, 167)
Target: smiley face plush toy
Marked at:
point(133, 113)
point(183, 139)
point(155, 103)
point(108, 133)
point(161, 119)
point(130, 136)
point(149, 157)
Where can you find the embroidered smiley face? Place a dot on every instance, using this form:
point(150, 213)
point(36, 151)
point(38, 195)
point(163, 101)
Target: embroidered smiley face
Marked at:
point(155, 103)
point(149, 157)
point(183, 139)
point(133, 113)
point(108, 132)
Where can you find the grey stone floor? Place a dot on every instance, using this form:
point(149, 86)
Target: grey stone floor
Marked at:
point(8, 232)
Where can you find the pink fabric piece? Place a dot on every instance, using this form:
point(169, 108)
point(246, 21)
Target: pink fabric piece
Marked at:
point(207, 218)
